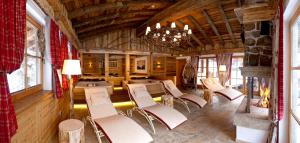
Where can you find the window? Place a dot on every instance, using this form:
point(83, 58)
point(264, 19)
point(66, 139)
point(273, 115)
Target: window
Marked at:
point(201, 70)
point(206, 67)
point(29, 73)
point(236, 79)
point(212, 67)
point(295, 82)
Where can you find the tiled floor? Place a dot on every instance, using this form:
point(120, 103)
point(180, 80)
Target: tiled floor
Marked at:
point(211, 124)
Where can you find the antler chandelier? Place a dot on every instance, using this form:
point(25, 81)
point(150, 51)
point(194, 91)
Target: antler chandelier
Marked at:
point(168, 37)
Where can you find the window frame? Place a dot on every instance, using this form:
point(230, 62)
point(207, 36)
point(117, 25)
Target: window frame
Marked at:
point(206, 68)
point(291, 68)
point(243, 78)
point(36, 88)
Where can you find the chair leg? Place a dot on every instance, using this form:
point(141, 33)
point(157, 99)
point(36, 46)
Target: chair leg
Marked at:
point(129, 112)
point(148, 118)
point(187, 107)
point(184, 104)
point(97, 132)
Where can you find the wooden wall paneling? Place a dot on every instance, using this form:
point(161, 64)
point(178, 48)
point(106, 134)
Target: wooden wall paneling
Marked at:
point(38, 117)
point(132, 64)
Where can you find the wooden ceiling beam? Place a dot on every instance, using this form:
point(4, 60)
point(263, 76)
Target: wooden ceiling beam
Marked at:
point(57, 11)
point(176, 10)
point(214, 51)
point(101, 7)
point(192, 35)
point(120, 21)
point(212, 25)
point(94, 20)
point(199, 28)
point(106, 29)
point(228, 27)
point(93, 8)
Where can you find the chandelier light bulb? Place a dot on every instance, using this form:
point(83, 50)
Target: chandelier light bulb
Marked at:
point(163, 39)
point(173, 25)
point(174, 39)
point(190, 31)
point(167, 32)
point(157, 25)
point(186, 27)
point(148, 30)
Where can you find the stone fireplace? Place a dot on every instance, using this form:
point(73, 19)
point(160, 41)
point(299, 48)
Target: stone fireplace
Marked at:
point(253, 122)
point(258, 55)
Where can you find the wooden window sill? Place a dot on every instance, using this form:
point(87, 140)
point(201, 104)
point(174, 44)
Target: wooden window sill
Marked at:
point(26, 102)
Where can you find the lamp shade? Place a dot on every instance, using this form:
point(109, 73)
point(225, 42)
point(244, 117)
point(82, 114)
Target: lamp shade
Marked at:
point(222, 68)
point(71, 67)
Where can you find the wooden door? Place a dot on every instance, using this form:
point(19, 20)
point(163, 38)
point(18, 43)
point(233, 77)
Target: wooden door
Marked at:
point(179, 68)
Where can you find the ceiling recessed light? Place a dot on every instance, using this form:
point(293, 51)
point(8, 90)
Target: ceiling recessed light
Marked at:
point(152, 6)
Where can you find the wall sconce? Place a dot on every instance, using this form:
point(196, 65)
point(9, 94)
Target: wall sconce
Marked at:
point(158, 64)
point(90, 64)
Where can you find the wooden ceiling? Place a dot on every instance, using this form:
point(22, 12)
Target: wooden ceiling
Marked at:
point(212, 21)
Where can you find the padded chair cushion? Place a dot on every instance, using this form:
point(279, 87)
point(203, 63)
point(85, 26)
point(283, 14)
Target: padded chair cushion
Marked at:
point(99, 98)
point(195, 99)
point(171, 87)
point(99, 103)
point(169, 116)
point(142, 97)
point(230, 93)
point(121, 129)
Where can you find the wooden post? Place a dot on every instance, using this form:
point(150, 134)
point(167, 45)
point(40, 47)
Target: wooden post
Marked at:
point(250, 93)
point(149, 64)
point(127, 67)
point(106, 65)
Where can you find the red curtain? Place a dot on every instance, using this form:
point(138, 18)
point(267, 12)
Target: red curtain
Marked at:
point(55, 51)
point(64, 55)
point(12, 42)
point(280, 66)
point(225, 59)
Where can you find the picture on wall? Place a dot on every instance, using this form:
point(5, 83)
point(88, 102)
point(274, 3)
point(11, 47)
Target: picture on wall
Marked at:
point(141, 64)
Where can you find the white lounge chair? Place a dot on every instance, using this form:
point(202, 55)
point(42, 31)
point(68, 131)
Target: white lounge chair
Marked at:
point(183, 97)
point(107, 122)
point(216, 87)
point(151, 110)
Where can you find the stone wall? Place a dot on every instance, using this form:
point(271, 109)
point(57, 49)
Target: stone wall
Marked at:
point(258, 48)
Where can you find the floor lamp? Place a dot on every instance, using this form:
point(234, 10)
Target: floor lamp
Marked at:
point(71, 67)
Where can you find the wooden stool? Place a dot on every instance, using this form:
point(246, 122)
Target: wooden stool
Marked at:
point(71, 131)
point(168, 100)
point(208, 96)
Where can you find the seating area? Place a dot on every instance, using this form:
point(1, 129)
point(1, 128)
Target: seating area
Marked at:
point(149, 71)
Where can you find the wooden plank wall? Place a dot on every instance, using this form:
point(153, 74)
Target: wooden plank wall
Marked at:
point(38, 118)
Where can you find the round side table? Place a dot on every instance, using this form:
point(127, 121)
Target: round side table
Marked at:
point(208, 96)
point(71, 131)
point(168, 100)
